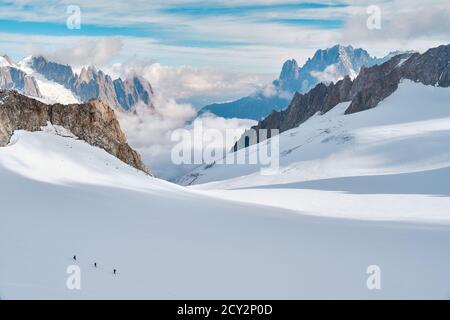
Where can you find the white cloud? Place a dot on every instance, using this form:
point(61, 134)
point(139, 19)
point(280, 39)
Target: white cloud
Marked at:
point(197, 86)
point(269, 91)
point(150, 132)
point(405, 25)
point(97, 52)
point(330, 74)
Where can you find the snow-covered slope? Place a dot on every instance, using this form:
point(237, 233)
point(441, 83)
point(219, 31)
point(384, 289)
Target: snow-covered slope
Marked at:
point(326, 66)
point(61, 197)
point(391, 162)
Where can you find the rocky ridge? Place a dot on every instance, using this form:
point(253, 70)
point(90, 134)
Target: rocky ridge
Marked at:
point(94, 122)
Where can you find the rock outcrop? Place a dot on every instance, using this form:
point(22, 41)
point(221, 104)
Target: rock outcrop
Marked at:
point(93, 122)
point(366, 91)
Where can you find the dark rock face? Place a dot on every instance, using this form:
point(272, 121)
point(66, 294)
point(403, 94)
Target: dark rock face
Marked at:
point(93, 84)
point(372, 85)
point(93, 122)
point(375, 84)
point(430, 68)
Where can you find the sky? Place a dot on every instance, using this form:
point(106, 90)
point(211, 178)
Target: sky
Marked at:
point(253, 36)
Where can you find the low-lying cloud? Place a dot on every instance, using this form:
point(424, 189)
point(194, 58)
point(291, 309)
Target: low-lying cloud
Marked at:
point(197, 86)
point(150, 132)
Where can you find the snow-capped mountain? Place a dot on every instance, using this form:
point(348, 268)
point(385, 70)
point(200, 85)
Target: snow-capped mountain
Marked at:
point(366, 91)
point(329, 65)
point(12, 77)
point(326, 66)
point(95, 84)
point(52, 82)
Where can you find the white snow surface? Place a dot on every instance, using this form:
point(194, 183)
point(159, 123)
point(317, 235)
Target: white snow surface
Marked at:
point(388, 163)
point(62, 197)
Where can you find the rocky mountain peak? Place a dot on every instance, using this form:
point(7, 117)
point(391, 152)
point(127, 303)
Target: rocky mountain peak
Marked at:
point(290, 70)
point(133, 90)
point(11, 77)
point(95, 84)
point(59, 73)
point(86, 75)
point(326, 65)
point(289, 76)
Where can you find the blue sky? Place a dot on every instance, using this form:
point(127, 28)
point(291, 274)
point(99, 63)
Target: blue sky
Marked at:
point(252, 35)
point(180, 28)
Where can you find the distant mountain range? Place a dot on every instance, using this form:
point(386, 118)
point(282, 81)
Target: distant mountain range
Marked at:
point(58, 80)
point(366, 91)
point(326, 66)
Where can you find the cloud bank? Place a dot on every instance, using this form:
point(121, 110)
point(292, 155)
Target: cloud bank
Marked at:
point(404, 25)
point(150, 132)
